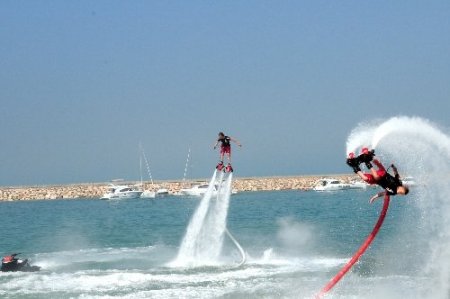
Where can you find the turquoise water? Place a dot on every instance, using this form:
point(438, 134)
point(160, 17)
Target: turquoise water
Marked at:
point(295, 242)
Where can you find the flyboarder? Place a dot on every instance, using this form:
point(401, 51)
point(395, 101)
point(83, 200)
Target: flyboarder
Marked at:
point(225, 148)
point(391, 184)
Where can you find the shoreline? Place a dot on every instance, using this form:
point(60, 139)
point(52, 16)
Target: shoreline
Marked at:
point(96, 190)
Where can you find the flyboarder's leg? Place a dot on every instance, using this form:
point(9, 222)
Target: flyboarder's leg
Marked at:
point(366, 177)
point(380, 172)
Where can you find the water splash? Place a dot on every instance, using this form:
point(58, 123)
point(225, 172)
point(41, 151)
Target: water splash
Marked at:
point(420, 149)
point(203, 241)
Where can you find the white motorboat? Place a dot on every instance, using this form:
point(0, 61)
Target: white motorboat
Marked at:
point(197, 190)
point(330, 185)
point(162, 192)
point(148, 194)
point(200, 190)
point(358, 185)
point(121, 192)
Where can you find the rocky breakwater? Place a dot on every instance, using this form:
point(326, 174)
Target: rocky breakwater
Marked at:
point(275, 183)
point(96, 190)
point(52, 192)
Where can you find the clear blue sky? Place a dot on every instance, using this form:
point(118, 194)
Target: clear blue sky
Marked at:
point(83, 82)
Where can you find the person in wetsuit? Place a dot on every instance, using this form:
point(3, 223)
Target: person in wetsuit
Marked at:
point(225, 148)
point(391, 184)
point(11, 263)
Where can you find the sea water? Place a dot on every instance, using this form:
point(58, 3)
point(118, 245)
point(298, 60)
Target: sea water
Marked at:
point(295, 242)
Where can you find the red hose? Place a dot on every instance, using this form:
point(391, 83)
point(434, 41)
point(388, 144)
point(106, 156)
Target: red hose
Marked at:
point(360, 251)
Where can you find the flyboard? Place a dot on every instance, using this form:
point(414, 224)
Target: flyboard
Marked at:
point(359, 252)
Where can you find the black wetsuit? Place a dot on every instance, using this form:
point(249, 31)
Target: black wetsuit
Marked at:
point(390, 183)
point(225, 141)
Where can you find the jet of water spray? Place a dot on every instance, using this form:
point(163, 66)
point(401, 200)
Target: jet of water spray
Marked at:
point(203, 241)
point(419, 149)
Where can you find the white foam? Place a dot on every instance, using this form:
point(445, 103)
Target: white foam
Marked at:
point(97, 281)
point(305, 264)
point(54, 260)
point(268, 271)
point(360, 136)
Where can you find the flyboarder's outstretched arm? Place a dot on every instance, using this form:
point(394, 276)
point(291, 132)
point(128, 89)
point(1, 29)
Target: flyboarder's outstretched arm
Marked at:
point(379, 194)
point(235, 141)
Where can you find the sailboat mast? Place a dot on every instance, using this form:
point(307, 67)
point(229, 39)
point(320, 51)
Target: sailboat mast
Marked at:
point(140, 170)
point(186, 166)
point(146, 164)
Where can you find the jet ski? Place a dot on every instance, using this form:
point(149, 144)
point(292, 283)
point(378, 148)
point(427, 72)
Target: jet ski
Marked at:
point(12, 264)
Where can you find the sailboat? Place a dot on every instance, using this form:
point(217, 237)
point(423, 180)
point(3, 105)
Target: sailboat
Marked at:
point(148, 193)
point(145, 193)
point(183, 181)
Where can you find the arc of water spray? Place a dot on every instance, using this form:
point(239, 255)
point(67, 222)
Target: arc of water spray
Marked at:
point(424, 148)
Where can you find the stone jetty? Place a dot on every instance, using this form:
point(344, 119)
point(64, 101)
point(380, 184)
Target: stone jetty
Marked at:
point(96, 190)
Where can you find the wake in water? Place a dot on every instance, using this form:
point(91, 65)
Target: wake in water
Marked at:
point(203, 241)
point(419, 149)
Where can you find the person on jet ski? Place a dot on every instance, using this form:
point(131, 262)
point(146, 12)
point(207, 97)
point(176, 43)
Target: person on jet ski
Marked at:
point(11, 264)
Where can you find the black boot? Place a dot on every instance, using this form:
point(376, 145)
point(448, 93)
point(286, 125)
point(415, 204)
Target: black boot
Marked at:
point(367, 157)
point(354, 164)
point(356, 169)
